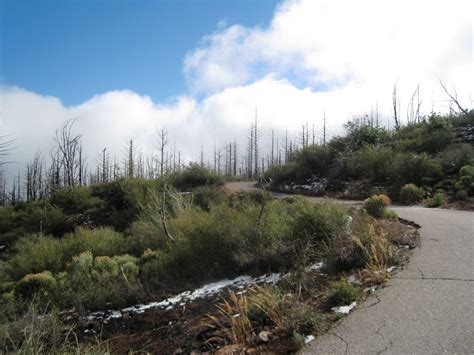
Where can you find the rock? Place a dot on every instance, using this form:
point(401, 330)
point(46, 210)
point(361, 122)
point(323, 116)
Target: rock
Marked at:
point(265, 336)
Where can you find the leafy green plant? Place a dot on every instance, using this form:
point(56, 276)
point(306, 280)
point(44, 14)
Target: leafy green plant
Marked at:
point(93, 282)
point(41, 287)
point(410, 193)
point(438, 199)
point(342, 293)
point(376, 205)
point(319, 222)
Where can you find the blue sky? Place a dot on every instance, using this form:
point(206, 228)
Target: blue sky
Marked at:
point(75, 49)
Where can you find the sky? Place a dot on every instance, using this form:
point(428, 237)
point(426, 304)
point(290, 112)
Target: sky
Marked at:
point(199, 68)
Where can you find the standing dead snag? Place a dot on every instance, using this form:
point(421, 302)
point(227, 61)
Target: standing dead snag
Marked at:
point(163, 216)
point(266, 195)
point(67, 153)
point(454, 98)
point(396, 108)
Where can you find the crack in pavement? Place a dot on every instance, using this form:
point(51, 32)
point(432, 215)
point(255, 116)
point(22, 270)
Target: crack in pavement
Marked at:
point(341, 339)
point(435, 278)
point(373, 304)
point(421, 272)
point(377, 332)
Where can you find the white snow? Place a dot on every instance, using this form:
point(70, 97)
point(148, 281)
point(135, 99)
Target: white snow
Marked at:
point(391, 268)
point(344, 309)
point(188, 296)
point(370, 289)
point(317, 266)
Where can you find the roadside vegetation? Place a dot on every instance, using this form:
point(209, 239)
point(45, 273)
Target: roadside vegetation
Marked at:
point(115, 244)
point(430, 161)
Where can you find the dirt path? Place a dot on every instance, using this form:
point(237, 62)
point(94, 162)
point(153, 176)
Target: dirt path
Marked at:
point(427, 308)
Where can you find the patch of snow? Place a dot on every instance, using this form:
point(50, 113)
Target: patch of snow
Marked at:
point(2, 247)
point(317, 266)
point(344, 309)
point(370, 289)
point(391, 269)
point(309, 338)
point(188, 296)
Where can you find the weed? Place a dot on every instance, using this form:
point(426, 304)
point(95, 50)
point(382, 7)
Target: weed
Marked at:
point(234, 312)
point(375, 205)
point(410, 193)
point(341, 293)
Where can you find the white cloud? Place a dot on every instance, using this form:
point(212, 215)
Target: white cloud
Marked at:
point(334, 43)
point(338, 57)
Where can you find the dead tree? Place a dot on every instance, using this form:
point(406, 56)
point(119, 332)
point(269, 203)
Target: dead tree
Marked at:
point(34, 178)
point(255, 145)
point(250, 149)
point(413, 109)
point(67, 153)
point(324, 129)
point(396, 108)
point(161, 145)
point(454, 98)
point(131, 160)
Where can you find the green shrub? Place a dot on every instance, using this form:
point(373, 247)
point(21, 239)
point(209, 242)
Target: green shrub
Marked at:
point(390, 214)
point(455, 157)
point(206, 196)
point(466, 182)
point(121, 203)
point(437, 200)
point(342, 293)
point(410, 194)
point(318, 222)
point(99, 241)
point(303, 318)
point(92, 283)
point(75, 200)
point(467, 170)
point(34, 253)
point(375, 205)
point(373, 163)
point(41, 287)
point(418, 169)
point(195, 176)
point(461, 195)
point(145, 234)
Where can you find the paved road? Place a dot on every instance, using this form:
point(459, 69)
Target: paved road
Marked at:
point(427, 308)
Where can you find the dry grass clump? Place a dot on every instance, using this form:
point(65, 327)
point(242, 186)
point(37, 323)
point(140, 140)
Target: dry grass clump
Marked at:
point(233, 319)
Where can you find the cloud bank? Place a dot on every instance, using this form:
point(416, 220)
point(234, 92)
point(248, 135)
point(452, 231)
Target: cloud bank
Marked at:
point(338, 57)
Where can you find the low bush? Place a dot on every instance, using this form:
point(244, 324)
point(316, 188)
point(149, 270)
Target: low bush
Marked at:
point(342, 293)
point(366, 247)
point(303, 318)
point(206, 196)
point(390, 214)
point(91, 283)
point(145, 234)
point(36, 253)
point(195, 176)
point(40, 287)
point(438, 199)
point(410, 193)
point(375, 205)
point(37, 331)
point(319, 222)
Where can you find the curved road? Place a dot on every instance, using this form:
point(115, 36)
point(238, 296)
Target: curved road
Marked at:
point(426, 308)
